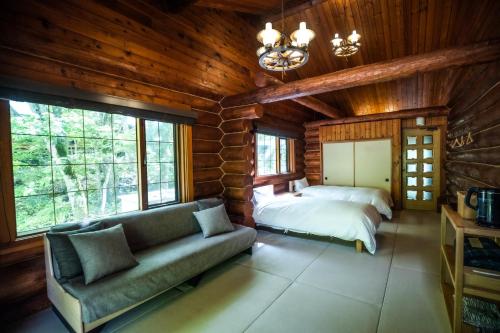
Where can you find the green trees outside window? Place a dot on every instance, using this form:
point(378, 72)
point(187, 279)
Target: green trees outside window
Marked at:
point(161, 166)
point(272, 155)
point(71, 164)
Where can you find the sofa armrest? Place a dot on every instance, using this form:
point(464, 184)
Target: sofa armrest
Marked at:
point(67, 305)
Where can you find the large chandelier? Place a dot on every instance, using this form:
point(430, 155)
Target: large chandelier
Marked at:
point(346, 48)
point(280, 52)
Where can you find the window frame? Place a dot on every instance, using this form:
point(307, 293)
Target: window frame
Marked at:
point(8, 227)
point(277, 139)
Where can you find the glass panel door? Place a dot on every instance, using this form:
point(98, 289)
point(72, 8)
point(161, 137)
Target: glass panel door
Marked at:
point(421, 159)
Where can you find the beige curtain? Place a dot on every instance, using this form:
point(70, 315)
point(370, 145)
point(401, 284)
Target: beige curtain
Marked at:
point(186, 163)
point(291, 150)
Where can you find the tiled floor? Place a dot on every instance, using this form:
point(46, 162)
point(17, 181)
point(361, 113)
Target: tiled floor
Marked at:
point(291, 284)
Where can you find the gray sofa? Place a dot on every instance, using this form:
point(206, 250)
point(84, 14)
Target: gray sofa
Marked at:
point(170, 248)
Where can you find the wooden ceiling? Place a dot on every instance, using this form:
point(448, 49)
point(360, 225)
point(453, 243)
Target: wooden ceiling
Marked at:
point(389, 29)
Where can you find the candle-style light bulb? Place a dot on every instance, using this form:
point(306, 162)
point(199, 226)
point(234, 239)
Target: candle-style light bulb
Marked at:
point(336, 40)
point(269, 36)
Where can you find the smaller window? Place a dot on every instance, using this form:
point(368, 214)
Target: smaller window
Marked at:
point(273, 155)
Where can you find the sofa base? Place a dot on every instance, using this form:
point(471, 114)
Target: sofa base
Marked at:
point(248, 251)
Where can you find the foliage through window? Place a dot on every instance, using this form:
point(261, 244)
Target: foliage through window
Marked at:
point(161, 166)
point(73, 164)
point(273, 154)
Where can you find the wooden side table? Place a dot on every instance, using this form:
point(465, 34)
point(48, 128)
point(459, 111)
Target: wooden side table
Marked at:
point(458, 280)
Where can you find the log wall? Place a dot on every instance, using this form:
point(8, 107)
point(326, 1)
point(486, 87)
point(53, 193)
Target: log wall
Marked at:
point(129, 49)
point(392, 129)
point(475, 117)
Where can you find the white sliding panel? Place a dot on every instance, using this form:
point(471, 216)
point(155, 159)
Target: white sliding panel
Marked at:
point(373, 164)
point(338, 163)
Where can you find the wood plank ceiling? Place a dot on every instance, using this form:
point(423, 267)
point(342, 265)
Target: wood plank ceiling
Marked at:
point(390, 29)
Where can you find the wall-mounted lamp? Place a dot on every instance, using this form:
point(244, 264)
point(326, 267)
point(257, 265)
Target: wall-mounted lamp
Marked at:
point(420, 121)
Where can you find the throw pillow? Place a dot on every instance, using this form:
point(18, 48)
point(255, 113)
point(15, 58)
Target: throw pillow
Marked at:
point(213, 221)
point(103, 252)
point(66, 262)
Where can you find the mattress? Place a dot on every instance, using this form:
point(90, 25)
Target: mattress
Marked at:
point(345, 220)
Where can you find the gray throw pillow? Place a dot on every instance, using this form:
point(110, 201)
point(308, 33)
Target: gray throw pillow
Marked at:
point(66, 262)
point(103, 252)
point(209, 203)
point(213, 221)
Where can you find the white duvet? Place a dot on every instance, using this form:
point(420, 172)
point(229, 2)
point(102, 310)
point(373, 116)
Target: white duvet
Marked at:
point(340, 219)
point(379, 198)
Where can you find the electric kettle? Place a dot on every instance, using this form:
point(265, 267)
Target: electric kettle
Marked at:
point(488, 205)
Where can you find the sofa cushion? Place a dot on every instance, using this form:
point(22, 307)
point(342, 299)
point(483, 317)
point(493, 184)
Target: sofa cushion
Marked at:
point(66, 259)
point(214, 221)
point(209, 203)
point(102, 252)
point(156, 226)
point(161, 267)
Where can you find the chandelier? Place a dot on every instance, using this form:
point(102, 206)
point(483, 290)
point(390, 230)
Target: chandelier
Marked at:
point(346, 47)
point(280, 52)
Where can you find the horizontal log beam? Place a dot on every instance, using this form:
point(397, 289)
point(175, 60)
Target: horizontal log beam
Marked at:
point(434, 111)
point(370, 74)
point(262, 80)
point(253, 111)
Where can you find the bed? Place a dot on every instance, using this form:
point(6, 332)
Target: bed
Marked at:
point(379, 198)
point(350, 221)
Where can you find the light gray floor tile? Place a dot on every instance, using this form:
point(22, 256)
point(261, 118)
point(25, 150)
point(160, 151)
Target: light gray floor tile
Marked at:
point(303, 308)
point(413, 303)
point(287, 257)
point(227, 300)
point(341, 270)
point(416, 253)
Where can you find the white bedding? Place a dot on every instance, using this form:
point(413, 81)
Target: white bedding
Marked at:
point(341, 219)
point(379, 198)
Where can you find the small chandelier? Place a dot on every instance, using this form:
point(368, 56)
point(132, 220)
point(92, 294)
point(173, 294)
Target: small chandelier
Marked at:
point(280, 52)
point(346, 48)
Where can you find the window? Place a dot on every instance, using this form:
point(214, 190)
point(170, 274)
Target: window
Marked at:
point(273, 155)
point(73, 164)
point(161, 166)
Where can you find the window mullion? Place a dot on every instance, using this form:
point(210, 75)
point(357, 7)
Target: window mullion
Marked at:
point(141, 164)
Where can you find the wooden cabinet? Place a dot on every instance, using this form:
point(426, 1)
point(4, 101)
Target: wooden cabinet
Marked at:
point(458, 280)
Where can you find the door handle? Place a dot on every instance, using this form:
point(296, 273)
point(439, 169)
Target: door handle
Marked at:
point(387, 179)
point(326, 178)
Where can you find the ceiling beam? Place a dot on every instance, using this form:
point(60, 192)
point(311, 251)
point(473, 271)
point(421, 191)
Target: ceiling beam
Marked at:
point(433, 111)
point(373, 73)
point(232, 6)
point(262, 79)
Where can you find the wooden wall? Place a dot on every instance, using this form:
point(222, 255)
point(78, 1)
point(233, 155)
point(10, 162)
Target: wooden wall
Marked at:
point(475, 110)
point(130, 49)
point(238, 153)
point(391, 129)
point(286, 118)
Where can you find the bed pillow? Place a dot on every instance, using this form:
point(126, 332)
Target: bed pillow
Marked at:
point(213, 221)
point(262, 194)
point(300, 184)
point(103, 252)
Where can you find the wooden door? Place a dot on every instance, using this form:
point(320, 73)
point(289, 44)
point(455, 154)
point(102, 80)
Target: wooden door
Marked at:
point(373, 164)
point(421, 168)
point(338, 163)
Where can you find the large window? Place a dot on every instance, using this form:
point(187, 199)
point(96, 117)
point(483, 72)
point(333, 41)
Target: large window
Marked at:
point(72, 164)
point(273, 154)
